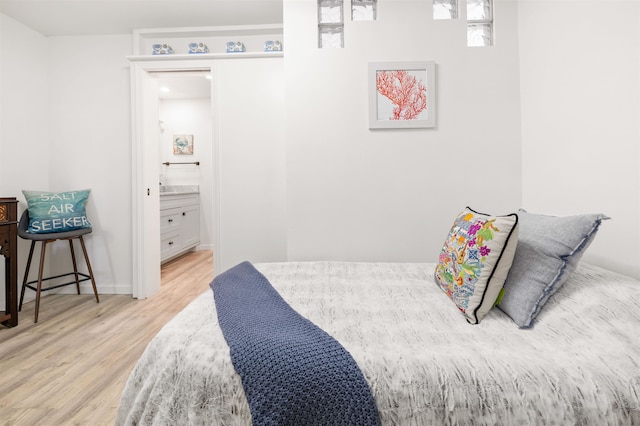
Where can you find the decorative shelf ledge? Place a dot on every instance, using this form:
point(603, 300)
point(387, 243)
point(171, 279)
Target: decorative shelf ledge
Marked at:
point(186, 56)
point(252, 37)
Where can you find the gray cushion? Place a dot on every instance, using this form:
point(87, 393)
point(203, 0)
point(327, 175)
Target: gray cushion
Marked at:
point(549, 249)
point(23, 231)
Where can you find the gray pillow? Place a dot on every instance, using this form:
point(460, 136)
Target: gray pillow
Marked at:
point(549, 249)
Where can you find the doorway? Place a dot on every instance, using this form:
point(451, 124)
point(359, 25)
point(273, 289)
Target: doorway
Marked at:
point(185, 144)
point(150, 150)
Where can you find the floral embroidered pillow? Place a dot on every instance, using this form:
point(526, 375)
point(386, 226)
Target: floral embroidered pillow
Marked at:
point(475, 259)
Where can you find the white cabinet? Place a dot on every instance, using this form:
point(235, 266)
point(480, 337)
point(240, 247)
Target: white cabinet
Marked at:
point(191, 225)
point(179, 224)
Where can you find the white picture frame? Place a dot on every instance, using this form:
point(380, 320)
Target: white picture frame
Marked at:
point(412, 107)
point(182, 144)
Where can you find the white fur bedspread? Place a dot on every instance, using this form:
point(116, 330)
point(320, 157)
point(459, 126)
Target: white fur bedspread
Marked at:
point(426, 365)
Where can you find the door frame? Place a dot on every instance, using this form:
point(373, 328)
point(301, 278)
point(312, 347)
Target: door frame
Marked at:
point(146, 258)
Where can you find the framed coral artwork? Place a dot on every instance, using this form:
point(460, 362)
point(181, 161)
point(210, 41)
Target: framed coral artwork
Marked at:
point(402, 95)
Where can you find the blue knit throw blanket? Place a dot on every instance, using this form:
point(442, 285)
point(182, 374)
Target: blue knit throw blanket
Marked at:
point(293, 372)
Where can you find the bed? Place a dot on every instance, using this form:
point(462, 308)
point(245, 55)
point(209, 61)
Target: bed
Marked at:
point(425, 365)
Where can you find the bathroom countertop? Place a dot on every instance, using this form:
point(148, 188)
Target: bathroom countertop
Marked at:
point(179, 189)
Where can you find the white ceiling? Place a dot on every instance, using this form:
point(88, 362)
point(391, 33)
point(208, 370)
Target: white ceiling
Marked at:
point(83, 17)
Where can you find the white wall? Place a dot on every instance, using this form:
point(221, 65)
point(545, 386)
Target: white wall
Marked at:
point(24, 68)
point(24, 119)
point(91, 94)
point(580, 86)
point(248, 121)
point(76, 90)
point(391, 195)
point(90, 139)
point(351, 193)
point(194, 117)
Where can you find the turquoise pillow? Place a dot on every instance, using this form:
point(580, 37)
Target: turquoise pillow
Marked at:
point(57, 211)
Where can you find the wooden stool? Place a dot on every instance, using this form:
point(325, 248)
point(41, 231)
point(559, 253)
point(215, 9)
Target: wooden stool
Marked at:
point(46, 239)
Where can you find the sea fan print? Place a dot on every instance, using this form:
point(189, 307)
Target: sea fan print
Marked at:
point(407, 93)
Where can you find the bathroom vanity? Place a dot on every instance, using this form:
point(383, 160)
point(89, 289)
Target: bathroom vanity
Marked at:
point(179, 220)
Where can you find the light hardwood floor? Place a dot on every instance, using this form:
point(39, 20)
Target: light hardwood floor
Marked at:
point(70, 367)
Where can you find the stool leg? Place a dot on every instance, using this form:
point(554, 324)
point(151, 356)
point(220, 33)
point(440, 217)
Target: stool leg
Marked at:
point(86, 258)
point(75, 266)
point(40, 272)
point(26, 274)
